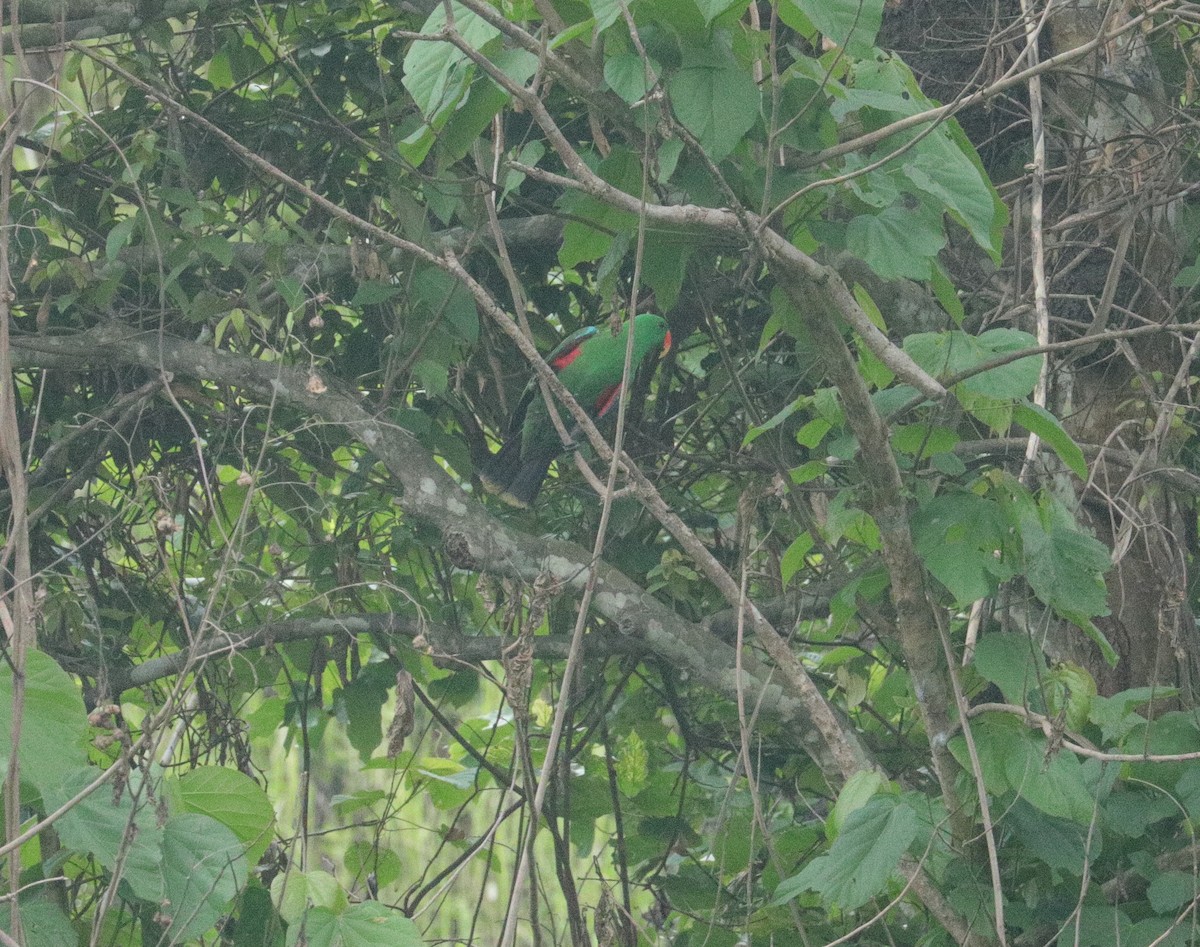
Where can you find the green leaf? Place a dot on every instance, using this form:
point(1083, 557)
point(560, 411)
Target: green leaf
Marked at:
point(773, 422)
point(364, 857)
point(812, 433)
point(54, 726)
point(585, 240)
point(42, 921)
point(715, 8)
point(734, 840)
point(1064, 566)
point(947, 295)
point(369, 924)
point(118, 236)
point(1101, 925)
point(715, 99)
point(898, 242)
point(961, 538)
point(440, 296)
point(203, 869)
point(437, 74)
point(794, 557)
point(1058, 843)
point(942, 172)
point(923, 440)
point(1014, 380)
point(860, 861)
point(484, 100)
point(1176, 731)
point(1188, 277)
point(1171, 890)
point(578, 30)
point(809, 470)
point(219, 71)
point(858, 790)
point(371, 292)
point(360, 705)
point(1115, 716)
point(297, 892)
point(98, 825)
point(292, 291)
point(606, 13)
point(414, 147)
point(233, 799)
point(951, 353)
point(258, 923)
point(664, 265)
point(1037, 420)
point(1014, 758)
point(448, 783)
point(632, 764)
point(1010, 662)
point(852, 24)
point(1131, 813)
point(216, 247)
point(625, 74)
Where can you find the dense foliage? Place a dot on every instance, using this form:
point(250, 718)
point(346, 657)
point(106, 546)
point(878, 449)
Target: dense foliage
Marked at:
point(878, 624)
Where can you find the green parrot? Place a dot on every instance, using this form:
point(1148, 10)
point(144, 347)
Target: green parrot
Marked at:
point(590, 363)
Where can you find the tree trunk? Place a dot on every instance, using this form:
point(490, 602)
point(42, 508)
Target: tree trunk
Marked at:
point(1109, 255)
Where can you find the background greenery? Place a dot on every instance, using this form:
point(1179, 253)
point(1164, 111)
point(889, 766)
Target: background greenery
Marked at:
point(881, 630)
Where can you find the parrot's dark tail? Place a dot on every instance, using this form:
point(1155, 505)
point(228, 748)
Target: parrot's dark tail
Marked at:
point(515, 480)
point(523, 489)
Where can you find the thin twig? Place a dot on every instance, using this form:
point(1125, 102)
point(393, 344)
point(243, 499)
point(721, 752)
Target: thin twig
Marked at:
point(1037, 242)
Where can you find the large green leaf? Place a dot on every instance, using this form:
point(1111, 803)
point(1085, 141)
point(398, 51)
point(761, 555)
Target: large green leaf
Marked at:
point(951, 353)
point(898, 242)
point(437, 74)
point(42, 921)
point(369, 924)
point(359, 706)
point(715, 99)
point(605, 13)
point(1015, 759)
point(861, 859)
point(1116, 716)
point(1065, 567)
point(591, 224)
point(1171, 890)
point(961, 537)
point(1060, 844)
point(1037, 420)
point(53, 727)
point(233, 799)
point(439, 296)
point(203, 868)
point(715, 8)
point(951, 177)
point(625, 74)
point(664, 265)
point(1011, 662)
point(124, 831)
point(852, 24)
point(484, 100)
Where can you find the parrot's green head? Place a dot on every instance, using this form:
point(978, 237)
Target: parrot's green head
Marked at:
point(650, 334)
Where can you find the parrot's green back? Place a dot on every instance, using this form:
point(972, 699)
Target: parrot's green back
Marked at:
point(591, 365)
